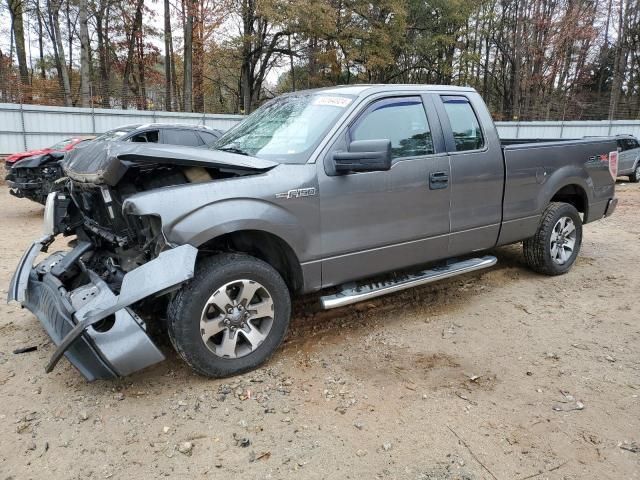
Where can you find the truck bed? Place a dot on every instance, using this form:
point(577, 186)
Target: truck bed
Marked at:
point(538, 169)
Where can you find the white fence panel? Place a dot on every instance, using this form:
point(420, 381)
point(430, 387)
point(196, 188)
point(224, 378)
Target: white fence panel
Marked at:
point(572, 129)
point(24, 127)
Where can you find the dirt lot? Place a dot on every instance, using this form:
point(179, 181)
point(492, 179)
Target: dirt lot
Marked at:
point(501, 375)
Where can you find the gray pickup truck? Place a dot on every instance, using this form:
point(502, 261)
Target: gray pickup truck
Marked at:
point(358, 191)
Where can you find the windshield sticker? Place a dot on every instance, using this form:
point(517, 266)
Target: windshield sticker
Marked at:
point(328, 101)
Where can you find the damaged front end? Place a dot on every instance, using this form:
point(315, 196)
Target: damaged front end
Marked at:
point(92, 299)
point(34, 177)
point(93, 326)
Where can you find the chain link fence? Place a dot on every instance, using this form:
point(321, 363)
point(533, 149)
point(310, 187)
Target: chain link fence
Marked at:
point(553, 106)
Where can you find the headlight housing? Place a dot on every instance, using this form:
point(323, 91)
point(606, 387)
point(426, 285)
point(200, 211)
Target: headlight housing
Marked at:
point(55, 209)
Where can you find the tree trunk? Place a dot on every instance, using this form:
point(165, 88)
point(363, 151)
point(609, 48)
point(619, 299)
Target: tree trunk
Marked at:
point(246, 77)
point(15, 10)
point(167, 56)
point(102, 32)
point(142, 82)
point(85, 87)
point(43, 73)
point(293, 70)
point(198, 57)
point(188, 56)
point(619, 65)
point(53, 8)
point(174, 79)
point(128, 67)
point(70, 39)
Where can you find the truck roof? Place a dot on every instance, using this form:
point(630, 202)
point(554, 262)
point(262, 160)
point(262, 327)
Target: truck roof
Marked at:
point(366, 89)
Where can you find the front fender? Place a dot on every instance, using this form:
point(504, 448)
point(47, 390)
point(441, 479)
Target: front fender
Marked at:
point(227, 216)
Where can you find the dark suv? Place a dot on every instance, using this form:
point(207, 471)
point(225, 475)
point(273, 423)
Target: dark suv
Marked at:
point(165, 133)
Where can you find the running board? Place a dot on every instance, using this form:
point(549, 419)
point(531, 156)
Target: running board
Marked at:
point(353, 294)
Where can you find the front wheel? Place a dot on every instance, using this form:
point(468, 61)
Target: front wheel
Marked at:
point(555, 246)
point(635, 176)
point(231, 317)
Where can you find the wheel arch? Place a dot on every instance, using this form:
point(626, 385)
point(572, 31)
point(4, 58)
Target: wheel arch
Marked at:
point(261, 244)
point(573, 194)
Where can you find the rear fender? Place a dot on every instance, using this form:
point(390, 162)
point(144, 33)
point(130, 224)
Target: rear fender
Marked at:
point(563, 177)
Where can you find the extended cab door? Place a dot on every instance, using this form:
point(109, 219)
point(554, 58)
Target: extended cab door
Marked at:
point(477, 172)
point(374, 222)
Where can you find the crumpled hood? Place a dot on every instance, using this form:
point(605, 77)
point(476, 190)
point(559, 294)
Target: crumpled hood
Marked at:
point(106, 162)
point(38, 160)
point(21, 155)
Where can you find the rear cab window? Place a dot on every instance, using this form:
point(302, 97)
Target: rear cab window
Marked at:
point(174, 136)
point(150, 136)
point(402, 120)
point(467, 133)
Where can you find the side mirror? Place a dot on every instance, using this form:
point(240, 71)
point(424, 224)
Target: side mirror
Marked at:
point(364, 156)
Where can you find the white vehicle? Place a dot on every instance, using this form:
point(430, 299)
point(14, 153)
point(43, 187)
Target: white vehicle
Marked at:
point(629, 158)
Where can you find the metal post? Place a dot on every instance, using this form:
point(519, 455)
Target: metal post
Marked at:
point(93, 113)
point(24, 131)
point(610, 127)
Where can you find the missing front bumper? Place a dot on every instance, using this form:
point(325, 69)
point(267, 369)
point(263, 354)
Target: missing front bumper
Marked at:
point(91, 326)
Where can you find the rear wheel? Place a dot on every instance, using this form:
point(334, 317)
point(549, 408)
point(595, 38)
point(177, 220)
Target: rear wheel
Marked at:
point(555, 246)
point(635, 176)
point(231, 317)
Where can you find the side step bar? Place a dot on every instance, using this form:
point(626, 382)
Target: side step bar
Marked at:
point(353, 294)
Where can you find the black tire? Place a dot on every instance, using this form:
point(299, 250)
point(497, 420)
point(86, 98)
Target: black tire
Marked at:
point(186, 308)
point(538, 250)
point(635, 176)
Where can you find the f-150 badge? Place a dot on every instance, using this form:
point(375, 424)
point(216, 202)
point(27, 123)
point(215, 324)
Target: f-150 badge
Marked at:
point(297, 193)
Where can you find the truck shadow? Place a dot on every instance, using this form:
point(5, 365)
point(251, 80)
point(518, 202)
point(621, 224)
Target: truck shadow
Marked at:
point(312, 328)
point(309, 321)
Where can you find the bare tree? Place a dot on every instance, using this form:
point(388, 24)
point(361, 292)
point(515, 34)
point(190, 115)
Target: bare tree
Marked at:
point(134, 34)
point(85, 87)
point(102, 15)
point(53, 12)
point(167, 56)
point(17, 27)
point(188, 12)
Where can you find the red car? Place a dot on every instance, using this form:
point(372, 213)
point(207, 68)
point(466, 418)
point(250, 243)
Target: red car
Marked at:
point(62, 146)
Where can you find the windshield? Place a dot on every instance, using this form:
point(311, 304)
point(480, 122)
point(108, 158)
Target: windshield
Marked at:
point(115, 134)
point(60, 145)
point(286, 129)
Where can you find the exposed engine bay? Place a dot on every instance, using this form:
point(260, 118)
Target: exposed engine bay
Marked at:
point(92, 299)
point(93, 211)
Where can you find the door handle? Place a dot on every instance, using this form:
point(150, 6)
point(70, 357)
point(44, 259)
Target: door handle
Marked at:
point(438, 180)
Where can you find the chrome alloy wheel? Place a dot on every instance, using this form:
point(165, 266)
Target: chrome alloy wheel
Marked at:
point(237, 318)
point(563, 240)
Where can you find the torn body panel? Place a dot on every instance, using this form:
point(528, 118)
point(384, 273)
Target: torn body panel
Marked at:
point(93, 327)
point(107, 164)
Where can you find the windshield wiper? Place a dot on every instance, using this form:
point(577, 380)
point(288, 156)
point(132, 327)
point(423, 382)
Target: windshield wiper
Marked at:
point(237, 150)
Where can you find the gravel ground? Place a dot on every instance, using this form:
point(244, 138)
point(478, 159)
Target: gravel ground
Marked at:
point(503, 374)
